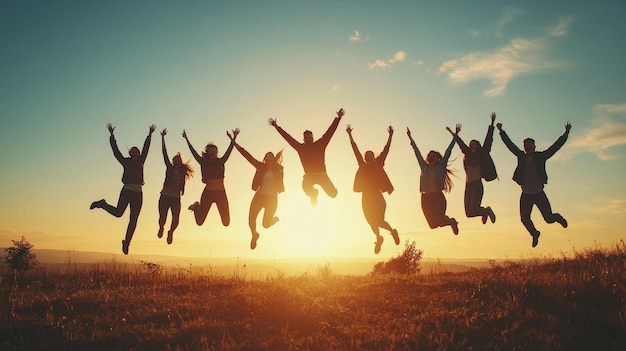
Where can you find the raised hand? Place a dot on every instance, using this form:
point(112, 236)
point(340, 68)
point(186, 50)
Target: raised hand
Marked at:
point(457, 128)
point(499, 126)
point(234, 135)
point(349, 129)
point(492, 115)
point(184, 134)
point(341, 112)
point(408, 132)
point(568, 126)
point(390, 130)
point(110, 128)
point(152, 128)
point(272, 121)
point(164, 131)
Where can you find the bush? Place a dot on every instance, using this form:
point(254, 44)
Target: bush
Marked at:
point(407, 263)
point(20, 257)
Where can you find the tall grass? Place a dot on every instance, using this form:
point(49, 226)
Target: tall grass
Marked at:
point(555, 304)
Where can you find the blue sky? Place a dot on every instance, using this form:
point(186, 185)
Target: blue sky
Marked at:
point(70, 67)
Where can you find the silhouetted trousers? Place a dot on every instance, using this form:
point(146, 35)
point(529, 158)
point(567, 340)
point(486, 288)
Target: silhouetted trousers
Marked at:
point(526, 203)
point(434, 207)
point(166, 203)
point(208, 198)
point(127, 197)
point(262, 201)
point(473, 198)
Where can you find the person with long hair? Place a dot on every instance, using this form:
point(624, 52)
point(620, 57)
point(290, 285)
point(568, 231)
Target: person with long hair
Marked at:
point(478, 165)
point(531, 176)
point(312, 156)
point(213, 169)
point(132, 178)
point(371, 181)
point(267, 184)
point(434, 180)
point(176, 173)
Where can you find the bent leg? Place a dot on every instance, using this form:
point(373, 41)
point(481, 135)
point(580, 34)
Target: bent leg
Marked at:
point(222, 206)
point(202, 210)
point(270, 203)
point(327, 185)
point(526, 203)
point(122, 203)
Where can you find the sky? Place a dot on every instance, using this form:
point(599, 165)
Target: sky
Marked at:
point(70, 67)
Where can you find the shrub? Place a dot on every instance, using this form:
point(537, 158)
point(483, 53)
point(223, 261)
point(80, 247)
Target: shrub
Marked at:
point(408, 262)
point(19, 257)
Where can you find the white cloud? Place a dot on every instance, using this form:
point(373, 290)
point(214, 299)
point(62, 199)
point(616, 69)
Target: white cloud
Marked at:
point(419, 62)
point(562, 28)
point(500, 66)
point(607, 131)
point(397, 57)
point(356, 37)
point(607, 207)
point(508, 13)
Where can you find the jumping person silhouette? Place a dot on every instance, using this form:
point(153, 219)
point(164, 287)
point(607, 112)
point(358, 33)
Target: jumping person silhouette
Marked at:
point(371, 181)
point(478, 164)
point(131, 193)
point(267, 184)
point(312, 156)
point(531, 175)
point(212, 168)
point(176, 173)
point(434, 180)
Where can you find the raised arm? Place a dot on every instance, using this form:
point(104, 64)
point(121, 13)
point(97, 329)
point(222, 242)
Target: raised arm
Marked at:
point(116, 151)
point(146, 143)
point(355, 148)
point(418, 154)
point(559, 142)
point(325, 139)
point(231, 145)
point(455, 135)
point(253, 161)
point(193, 151)
point(166, 158)
point(489, 137)
point(383, 155)
point(507, 141)
point(290, 140)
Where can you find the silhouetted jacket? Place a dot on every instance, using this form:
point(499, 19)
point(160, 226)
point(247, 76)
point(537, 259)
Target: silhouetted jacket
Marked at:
point(312, 155)
point(371, 177)
point(174, 178)
point(539, 157)
point(211, 169)
point(133, 169)
point(261, 169)
point(440, 168)
point(482, 157)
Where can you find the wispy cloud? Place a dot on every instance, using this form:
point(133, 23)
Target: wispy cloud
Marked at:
point(399, 56)
point(607, 207)
point(500, 66)
point(334, 88)
point(607, 131)
point(356, 37)
point(508, 14)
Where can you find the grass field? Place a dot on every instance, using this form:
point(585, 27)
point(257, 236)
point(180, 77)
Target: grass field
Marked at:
point(574, 303)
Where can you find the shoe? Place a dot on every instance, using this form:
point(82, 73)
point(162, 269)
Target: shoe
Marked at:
point(536, 238)
point(378, 244)
point(125, 247)
point(160, 233)
point(96, 204)
point(562, 221)
point(255, 237)
point(396, 237)
point(455, 226)
point(170, 237)
point(492, 215)
point(485, 215)
point(193, 206)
